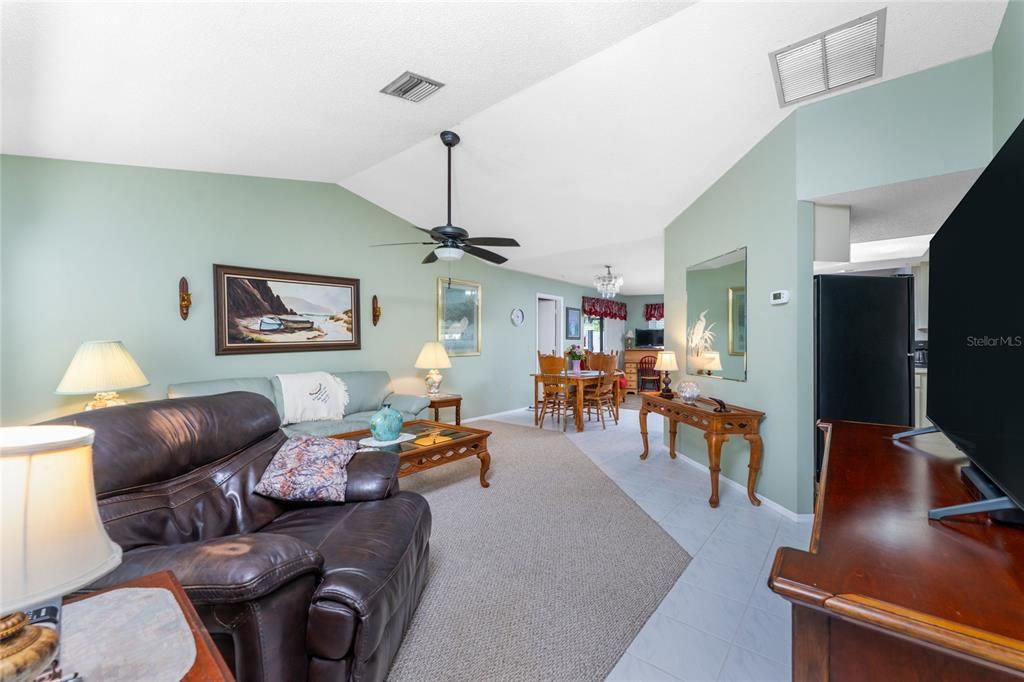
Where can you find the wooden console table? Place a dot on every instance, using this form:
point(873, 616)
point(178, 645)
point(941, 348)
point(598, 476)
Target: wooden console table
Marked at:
point(717, 427)
point(885, 594)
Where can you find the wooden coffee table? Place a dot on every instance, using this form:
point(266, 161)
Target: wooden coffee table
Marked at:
point(435, 444)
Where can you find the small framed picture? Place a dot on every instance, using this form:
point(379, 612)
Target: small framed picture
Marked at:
point(458, 316)
point(573, 323)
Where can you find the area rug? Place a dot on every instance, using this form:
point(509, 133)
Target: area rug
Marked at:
point(547, 575)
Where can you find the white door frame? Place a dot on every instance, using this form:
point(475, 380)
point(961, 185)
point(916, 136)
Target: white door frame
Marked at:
point(560, 302)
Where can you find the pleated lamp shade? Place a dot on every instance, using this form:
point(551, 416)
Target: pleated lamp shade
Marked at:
point(100, 366)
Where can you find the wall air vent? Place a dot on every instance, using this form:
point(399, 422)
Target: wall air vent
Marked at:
point(838, 58)
point(412, 87)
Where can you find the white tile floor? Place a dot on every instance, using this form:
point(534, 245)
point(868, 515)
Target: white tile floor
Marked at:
point(720, 621)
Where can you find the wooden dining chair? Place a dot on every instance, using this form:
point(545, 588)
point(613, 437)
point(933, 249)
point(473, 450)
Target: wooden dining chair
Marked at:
point(556, 398)
point(601, 396)
point(645, 372)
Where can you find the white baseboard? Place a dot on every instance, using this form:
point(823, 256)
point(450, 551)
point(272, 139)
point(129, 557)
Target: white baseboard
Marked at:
point(771, 504)
point(493, 415)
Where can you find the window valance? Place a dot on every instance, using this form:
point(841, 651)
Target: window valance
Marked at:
point(603, 307)
point(654, 311)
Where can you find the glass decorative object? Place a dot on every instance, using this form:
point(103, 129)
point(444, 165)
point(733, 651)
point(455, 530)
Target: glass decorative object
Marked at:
point(689, 391)
point(386, 424)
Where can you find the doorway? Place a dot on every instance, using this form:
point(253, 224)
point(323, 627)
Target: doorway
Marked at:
point(549, 324)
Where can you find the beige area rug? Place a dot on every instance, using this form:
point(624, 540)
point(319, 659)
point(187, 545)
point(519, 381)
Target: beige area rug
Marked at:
point(547, 575)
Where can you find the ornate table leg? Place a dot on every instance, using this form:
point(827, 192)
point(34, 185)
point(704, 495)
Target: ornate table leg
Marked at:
point(756, 448)
point(485, 465)
point(672, 425)
point(715, 442)
point(643, 430)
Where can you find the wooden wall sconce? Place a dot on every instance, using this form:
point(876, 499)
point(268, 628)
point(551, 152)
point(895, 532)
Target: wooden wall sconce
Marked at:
point(375, 305)
point(184, 298)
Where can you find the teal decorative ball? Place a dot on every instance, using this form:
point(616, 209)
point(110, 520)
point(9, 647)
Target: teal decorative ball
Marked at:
point(386, 424)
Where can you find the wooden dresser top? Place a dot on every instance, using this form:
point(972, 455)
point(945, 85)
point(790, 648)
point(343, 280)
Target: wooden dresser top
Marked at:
point(876, 558)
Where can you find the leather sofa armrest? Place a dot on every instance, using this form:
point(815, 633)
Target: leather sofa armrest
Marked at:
point(372, 475)
point(413, 404)
point(234, 568)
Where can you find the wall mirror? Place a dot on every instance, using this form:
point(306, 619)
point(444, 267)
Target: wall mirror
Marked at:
point(716, 317)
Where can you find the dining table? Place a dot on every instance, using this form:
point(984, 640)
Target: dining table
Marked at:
point(580, 380)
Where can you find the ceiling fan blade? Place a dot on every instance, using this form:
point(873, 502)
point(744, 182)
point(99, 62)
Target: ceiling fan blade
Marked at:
point(431, 258)
point(484, 254)
point(404, 244)
point(423, 229)
point(491, 241)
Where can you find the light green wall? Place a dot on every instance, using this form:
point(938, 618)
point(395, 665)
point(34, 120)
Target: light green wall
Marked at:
point(93, 251)
point(1008, 75)
point(754, 205)
point(709, 290)
point(928, 123)
point(635, 309)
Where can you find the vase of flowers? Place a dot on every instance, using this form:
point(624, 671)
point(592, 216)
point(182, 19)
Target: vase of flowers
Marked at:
point(575, 355)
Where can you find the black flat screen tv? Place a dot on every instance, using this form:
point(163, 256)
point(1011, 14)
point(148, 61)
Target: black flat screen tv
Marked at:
point(976, 322)
point(650, 338)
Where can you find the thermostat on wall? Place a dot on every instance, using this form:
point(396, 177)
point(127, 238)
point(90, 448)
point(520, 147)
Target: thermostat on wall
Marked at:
point(779, 297)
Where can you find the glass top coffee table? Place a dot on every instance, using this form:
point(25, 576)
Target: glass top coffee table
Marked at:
point(434, 444)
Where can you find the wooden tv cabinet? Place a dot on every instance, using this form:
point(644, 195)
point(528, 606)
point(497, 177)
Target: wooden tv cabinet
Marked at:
point(886, 594)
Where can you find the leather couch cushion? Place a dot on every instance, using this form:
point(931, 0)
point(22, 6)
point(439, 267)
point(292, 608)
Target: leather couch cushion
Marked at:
point(234, 568)
point(352, 422)
point(366, 390)
point(156, 441)
point(371, 552)
point(192, 389)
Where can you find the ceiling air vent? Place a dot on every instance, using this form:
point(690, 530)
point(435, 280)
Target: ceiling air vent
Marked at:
point(412, 87)
point(840, 57)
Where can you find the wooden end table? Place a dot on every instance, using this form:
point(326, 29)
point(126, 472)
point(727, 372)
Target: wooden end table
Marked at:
point(209, 666)
point(435, 444)
point(442, 400)
point(717, 427)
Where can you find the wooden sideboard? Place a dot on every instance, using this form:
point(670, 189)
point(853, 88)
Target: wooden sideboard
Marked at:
point(884, 593)
point(631, 358)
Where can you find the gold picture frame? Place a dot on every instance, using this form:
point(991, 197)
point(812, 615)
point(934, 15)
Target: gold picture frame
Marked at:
point(459, 319)
point(737, 320)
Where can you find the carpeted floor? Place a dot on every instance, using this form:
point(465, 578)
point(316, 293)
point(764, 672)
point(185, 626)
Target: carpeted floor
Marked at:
point(546, 575)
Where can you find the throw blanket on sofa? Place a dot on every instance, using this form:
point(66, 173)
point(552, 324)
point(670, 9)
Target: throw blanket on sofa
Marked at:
point(312, 396)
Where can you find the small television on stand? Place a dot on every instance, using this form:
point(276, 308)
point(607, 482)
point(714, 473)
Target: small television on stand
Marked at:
point(976, 336)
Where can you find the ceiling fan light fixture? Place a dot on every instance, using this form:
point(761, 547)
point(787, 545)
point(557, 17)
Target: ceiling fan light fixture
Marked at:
point(448, 253)
point(608, 283)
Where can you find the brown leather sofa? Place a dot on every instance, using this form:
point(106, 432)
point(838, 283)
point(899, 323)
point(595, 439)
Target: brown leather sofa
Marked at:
point(288, 592)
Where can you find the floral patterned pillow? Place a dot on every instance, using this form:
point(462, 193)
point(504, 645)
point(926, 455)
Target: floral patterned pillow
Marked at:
point(308, 469)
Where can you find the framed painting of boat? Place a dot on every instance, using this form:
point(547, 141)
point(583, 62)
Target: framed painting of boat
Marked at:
point(268, 311)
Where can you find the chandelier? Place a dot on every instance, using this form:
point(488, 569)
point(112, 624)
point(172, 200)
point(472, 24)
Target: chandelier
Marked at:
point(608, 283)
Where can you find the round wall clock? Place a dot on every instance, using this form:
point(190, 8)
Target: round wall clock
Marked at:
point(517, 317)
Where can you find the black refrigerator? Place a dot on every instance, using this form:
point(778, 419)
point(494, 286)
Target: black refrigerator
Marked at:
point(863, 351)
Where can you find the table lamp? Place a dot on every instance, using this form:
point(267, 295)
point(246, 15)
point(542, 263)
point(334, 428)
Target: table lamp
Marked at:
point(711, 361)
point(103, 368)
point(433, 356)
point(666, 363)
point(53, 540)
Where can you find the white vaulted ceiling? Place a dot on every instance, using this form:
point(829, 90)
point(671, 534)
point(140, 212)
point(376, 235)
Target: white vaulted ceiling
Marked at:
point(586, 128)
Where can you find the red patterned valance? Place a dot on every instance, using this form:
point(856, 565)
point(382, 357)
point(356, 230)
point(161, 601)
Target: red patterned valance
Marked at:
point(604, 307)
point(654, 311)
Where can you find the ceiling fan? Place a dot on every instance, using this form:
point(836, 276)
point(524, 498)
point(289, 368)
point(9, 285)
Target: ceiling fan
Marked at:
point(453, 242)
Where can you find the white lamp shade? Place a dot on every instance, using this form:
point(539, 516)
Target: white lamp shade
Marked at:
point(666, 361)
point(433, 356)
point(53, 541)
point(712, 361)
point(100, 366)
